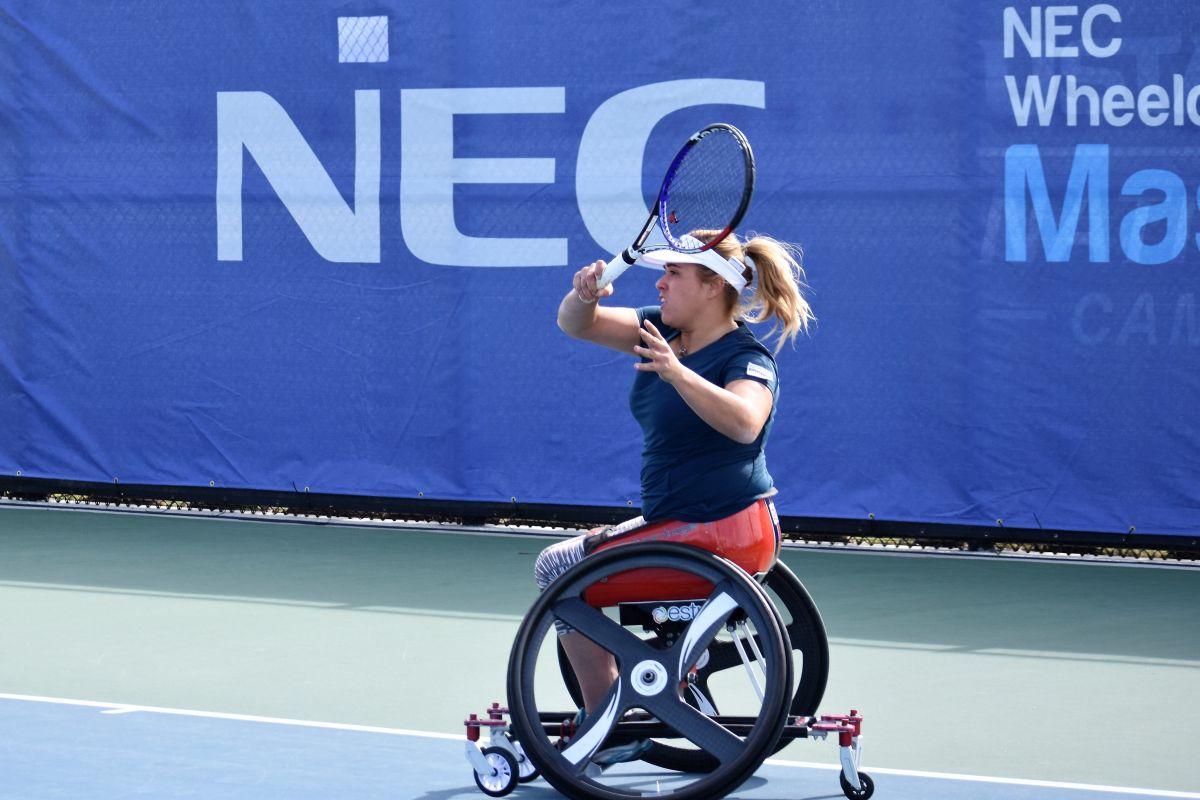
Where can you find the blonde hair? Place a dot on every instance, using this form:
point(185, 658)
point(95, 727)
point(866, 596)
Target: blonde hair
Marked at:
point(778, 291)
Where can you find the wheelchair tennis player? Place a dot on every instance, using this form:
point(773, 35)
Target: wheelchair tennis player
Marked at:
point(705, 397)
point(698, 573)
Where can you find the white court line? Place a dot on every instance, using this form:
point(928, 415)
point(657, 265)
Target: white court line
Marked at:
point(125, 708)
point(913, 773)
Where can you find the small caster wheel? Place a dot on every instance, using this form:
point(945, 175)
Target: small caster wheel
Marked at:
point(504, 776)
point(527, 771)
point(868, 786)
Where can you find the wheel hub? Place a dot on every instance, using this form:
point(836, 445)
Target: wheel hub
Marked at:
point(649, 678)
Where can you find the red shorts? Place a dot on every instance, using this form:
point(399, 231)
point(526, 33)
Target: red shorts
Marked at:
point(749, 538)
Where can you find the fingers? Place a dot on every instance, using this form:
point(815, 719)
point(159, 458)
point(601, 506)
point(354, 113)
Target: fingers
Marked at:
point(583, 290)
point(655, 343)
point(584, 283)
point(591, 274)
point(597, 269)
point(650, 334)
point(655, 349)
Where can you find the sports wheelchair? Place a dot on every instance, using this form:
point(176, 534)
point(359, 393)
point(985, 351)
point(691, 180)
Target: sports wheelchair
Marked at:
point(707, 660)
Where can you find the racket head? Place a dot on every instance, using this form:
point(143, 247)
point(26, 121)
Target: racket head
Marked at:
point(707, 188)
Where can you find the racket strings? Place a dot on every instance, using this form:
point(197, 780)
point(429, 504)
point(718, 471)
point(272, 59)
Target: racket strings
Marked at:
point(707, 188)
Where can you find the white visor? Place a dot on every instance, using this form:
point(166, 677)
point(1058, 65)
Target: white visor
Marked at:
point(659, 254)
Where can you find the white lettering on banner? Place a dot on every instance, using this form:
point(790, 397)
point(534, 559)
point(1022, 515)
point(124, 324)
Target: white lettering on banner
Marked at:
point(1118, 101)
point(1054, 30)
point(1074, 93)
point(1058, 25)
point(608, 174)
point(1089, 36)
point(1045, 100)
point(1151, 104)
point(256, 122)
point(429, 171)
point(1031, 37)
point(1152, 100)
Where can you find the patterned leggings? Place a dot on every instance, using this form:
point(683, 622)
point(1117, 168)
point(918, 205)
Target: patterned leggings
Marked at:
point(561, 556)
point(557, 559)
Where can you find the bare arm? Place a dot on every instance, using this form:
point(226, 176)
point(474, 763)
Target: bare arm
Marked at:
point(739, 410)
point(581, 316)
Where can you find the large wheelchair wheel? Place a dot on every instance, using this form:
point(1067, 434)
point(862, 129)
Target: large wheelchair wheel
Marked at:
point(652, 697)
point(810, 664)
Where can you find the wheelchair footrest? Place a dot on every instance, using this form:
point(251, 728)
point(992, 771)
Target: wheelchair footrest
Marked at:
point(640, 725)
point(501, 765)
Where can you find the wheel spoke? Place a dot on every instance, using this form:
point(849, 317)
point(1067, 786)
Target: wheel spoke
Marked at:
point(595, 728)
point(722, 656)
point(592, 623)
point(695, 726)
point(701, 698)
point(699, 634)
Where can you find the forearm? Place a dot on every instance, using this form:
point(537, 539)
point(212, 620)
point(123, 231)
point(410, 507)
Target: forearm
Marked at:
point(724, 411)
point(575, 316)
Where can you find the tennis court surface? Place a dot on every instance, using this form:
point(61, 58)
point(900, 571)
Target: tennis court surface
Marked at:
point(175, 657)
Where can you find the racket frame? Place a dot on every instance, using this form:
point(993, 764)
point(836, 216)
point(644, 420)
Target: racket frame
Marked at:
point(628, 257)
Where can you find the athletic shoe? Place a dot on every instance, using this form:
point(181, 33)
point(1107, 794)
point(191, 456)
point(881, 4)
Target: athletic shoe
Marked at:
point(631, 751)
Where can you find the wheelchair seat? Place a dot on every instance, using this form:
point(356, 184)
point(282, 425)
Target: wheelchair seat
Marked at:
point(750, 538)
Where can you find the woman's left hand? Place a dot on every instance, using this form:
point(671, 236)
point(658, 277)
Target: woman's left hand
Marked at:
point(658, 350)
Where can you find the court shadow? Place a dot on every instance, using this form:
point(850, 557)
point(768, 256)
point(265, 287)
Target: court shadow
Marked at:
point(945, 603)
point(536, 789)
point(542, 789)
point(967, 605)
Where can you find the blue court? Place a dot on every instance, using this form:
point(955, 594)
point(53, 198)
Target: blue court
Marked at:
point(63, 750)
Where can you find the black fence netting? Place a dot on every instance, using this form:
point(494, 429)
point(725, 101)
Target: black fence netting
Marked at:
point(873, 533)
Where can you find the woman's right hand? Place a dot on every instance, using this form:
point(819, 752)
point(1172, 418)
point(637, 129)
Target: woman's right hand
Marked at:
point(585, 283)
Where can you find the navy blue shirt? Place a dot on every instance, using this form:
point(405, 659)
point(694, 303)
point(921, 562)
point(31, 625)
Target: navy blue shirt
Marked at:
point(690, 472)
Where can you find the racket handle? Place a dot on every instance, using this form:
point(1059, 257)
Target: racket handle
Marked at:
point(614, 268)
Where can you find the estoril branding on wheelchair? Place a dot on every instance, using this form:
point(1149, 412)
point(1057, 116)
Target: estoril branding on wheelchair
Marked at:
point(707, 659)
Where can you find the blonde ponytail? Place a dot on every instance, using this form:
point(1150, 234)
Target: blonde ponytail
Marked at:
point(778, 291)
point(778, 288)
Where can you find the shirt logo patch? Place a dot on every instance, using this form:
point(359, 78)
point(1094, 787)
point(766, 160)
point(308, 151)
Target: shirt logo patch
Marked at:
point(759, 371)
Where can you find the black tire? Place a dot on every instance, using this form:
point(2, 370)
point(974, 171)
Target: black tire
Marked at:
point(868, 787)
point(810, 660)
point(734, 593)
point(505, 779)
point(806, 632)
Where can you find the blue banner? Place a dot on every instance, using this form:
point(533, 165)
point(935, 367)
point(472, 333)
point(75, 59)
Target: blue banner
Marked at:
point(276, 245)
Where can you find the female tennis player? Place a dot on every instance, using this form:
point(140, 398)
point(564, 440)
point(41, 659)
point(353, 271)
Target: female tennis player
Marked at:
point(704, 397)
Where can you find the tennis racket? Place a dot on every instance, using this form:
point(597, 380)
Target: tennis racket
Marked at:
point(707, 188)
